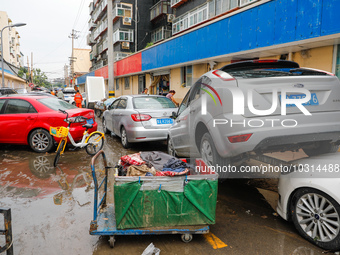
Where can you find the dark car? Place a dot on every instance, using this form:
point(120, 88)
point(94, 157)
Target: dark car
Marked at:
point(27, 120)
point(7, 91)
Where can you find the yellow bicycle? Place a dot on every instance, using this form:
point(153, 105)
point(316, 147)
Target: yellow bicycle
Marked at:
point(93, 142)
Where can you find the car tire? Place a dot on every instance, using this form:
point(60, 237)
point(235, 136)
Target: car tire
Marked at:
point(105, 130)
point(322, 148)
point(170, 148)
point(124, 138)
point(40, 141)
point(316, 216)
point(210, 155)
point(98, 112)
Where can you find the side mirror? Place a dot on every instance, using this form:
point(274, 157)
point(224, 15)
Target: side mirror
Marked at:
point(174, 115)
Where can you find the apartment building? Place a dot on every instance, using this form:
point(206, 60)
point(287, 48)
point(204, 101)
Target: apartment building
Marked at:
point(13, 58)
point(210, 34)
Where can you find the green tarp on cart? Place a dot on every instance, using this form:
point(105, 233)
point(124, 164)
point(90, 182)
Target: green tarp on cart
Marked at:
point(136, 207)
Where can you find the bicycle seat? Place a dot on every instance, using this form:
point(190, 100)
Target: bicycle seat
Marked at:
point(88, 126)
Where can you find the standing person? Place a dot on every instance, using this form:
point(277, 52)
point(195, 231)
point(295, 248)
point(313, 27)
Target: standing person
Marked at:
point(60, 94)
point(78, 99)
point(52, 92)
point(145, 91)
point(170, 95)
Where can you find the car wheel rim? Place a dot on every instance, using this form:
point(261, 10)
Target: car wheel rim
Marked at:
point(317, 217)
point(207, 153)
point(40, 141)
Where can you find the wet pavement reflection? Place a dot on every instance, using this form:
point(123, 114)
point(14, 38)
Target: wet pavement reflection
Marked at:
point(52, 210)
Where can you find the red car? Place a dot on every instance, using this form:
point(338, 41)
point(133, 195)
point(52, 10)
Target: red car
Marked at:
point(27, 120)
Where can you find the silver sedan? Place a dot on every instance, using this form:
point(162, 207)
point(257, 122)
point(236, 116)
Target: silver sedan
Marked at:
point(139, 118)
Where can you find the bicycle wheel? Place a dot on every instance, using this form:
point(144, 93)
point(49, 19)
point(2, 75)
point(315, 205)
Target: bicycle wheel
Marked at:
point(95, 143)
point(59, 151)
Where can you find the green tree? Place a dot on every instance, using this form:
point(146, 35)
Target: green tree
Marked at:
point(40, 79)
point(23, 73)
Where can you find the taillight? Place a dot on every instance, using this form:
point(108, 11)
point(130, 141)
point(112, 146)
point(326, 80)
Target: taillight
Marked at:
point(239, 138)
point(223, 75)
point(140, 117)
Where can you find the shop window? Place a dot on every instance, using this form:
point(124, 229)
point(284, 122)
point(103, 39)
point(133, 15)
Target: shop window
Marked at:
point(186, 75)
point(127, 83)
point(117, 84)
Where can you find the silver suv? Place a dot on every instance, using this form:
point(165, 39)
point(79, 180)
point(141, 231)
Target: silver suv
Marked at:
point(257, 106)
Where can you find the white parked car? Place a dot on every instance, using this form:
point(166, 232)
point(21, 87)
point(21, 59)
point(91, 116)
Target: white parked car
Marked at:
point(310, 197)
point(69, 94)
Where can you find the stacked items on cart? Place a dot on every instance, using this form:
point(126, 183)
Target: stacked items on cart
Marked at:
point(153, 163)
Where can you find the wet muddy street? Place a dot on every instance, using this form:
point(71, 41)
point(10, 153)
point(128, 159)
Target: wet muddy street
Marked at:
point(52, 209)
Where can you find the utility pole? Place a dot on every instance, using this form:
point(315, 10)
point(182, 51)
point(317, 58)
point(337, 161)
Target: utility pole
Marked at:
point(110, 47)
point(28, 67)
point(73, 59)
point(32, 67)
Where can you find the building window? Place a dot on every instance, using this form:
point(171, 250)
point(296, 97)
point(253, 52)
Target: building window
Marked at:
point(160, 34)
point(117, 84)
point(217, 7)
point(186, 76)
point(122, 10)
point(127, 83)
point(190, 19)
point(123, 35)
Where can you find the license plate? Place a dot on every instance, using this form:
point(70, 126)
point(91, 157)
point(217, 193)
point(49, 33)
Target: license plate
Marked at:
point(89, 121)
point(164, 121)
point(313, 101)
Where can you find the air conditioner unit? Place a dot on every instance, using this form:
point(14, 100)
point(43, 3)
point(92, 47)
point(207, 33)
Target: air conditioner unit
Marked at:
point(125, 45)
point(171, 17)
point(127, 21)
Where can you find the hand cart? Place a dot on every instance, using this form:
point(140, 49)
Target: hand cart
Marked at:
point(109, 218)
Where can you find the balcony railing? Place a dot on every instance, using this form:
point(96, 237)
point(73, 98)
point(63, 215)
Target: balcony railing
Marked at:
point(162, 7)
point(100, 28)
point(91, 8)
point(92, 24)
point(176, 3)
point(190, 19)
point(98, 12)
point(160, 34)
point(90, 39)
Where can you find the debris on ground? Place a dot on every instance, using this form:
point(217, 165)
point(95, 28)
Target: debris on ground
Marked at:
point(151, 249)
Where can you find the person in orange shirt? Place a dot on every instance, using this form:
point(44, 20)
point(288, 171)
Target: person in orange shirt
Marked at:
point(78, 99)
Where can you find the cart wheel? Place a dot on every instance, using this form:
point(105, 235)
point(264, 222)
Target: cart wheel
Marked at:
point(112, 241)
point(186, 238)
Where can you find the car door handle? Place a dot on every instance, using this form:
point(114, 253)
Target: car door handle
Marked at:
point(193, 111)
point(30, 118)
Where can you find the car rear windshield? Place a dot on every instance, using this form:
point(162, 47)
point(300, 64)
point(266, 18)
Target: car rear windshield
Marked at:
point(56, 104)
point(152, 103)
point(69, 92)
point(274, 72)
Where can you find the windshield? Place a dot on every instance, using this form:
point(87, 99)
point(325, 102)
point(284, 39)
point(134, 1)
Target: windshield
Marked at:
point(273, 72)
point(56, 104)
point(153, 103)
